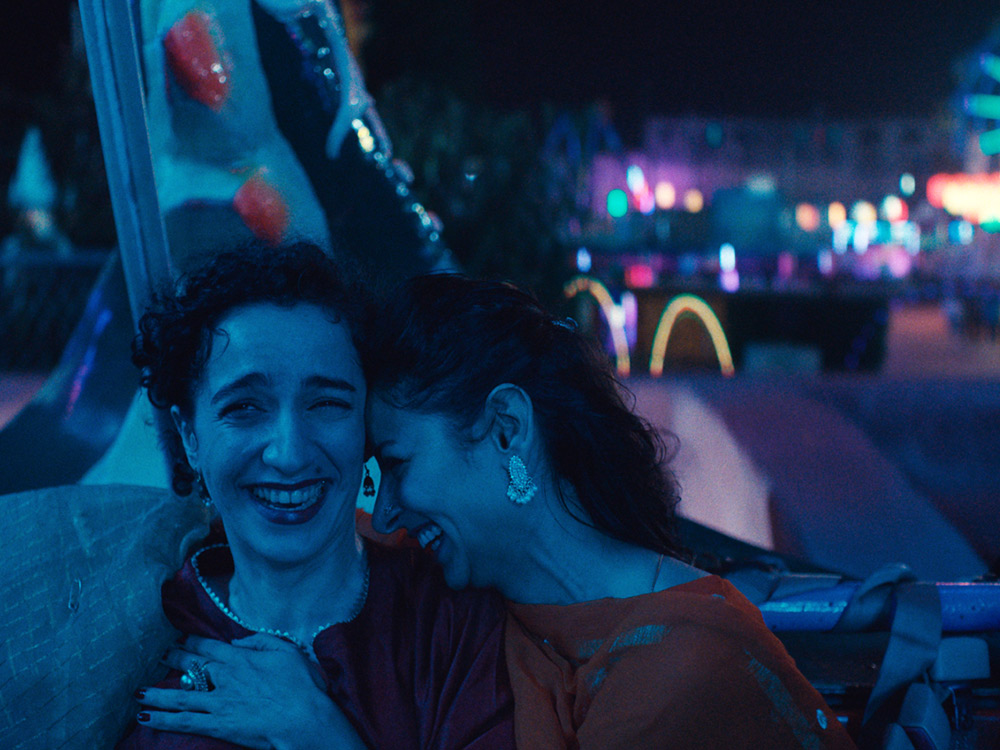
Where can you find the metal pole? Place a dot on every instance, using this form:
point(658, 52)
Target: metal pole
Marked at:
point(116, 77)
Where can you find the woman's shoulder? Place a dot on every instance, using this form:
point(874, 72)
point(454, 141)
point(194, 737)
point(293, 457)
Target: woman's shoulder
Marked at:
point(671, 573)
point(682, 594)
point(705, 613)
point(705, 646)
point(411, 577)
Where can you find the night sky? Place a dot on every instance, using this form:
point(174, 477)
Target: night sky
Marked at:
point(849, 57)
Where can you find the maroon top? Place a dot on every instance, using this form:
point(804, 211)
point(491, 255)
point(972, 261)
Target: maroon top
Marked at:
point(421, 666)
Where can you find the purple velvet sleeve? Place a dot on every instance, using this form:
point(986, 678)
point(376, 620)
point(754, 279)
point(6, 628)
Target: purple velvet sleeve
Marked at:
point(421, 667)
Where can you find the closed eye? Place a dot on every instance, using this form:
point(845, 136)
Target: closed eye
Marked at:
point(239, 409)
point(330, 403)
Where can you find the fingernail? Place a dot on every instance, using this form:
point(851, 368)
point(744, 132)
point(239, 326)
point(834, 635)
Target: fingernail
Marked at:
point(140, 694)
point(142, 717)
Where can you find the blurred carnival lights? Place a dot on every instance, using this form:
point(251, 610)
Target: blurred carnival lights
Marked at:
point(961, 232)
point(842, 236)
point(807, 217)
point(863, 236)
point(973, 197)
point(665, 195)
point(727, 257)
point(824, 261)
point(639, 187)
point(640, 276)
point(613, 314)
point(694, 201)
point(836, 215)
point(729, 276)
point(617, 203)
point(864, 212)
point(689, 303)
point(895, 209)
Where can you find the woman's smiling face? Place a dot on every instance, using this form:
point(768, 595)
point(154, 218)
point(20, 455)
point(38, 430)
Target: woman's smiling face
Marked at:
point(277, 430)
point(447, 492)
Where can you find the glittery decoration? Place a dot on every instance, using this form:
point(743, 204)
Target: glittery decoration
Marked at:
point(316, 29)
point(521, 488)
point(262, 208)
point(195, 57)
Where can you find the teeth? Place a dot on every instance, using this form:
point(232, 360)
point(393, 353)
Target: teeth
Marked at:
point(300, 498)
point(429, 536)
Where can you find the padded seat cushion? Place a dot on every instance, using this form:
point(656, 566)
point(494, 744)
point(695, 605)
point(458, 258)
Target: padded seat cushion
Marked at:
point(81, 625)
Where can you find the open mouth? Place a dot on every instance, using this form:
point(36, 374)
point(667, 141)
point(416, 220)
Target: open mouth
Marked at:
point(429, 536)
point(290, 499)
point(289, 504)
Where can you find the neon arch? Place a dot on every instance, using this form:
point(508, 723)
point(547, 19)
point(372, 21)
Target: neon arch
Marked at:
point(689, 303)
point(599, 292)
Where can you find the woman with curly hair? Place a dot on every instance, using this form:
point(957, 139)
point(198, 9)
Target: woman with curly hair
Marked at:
point(298, 633)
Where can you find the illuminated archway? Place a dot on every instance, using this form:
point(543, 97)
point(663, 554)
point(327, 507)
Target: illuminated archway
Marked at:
point(599, 292)
point(689, 303)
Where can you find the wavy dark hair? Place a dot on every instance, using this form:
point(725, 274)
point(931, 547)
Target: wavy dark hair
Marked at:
point(175, 333)
point(443, 342)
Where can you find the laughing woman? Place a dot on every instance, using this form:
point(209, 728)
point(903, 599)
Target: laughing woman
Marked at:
point(299, 634)
point(507, 449)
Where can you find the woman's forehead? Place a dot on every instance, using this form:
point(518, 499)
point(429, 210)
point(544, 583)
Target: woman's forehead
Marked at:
point(303, 342)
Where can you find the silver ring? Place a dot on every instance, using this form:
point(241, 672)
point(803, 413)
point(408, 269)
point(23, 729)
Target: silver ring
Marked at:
point(195, 678)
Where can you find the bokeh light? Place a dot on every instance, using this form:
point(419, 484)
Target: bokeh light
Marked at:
point(807, 217)
point(635, 179)
point(639, 276)
point(894, 208)
point(864, 212)
point(617, 203)
point(961, 232)
point(727, 257)
point(694, 201)
point(836, 215)
point(863, 235)
point(666, 195)
point(824, 261)
point(974, 197)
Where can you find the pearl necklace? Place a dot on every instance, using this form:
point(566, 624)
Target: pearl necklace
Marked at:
point(307, 647)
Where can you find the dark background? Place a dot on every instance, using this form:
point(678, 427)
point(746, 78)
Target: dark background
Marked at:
point(509, 66)
point(848, 57)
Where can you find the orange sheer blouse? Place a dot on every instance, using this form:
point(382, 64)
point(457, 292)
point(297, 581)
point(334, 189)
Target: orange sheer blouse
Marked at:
point(693, 666)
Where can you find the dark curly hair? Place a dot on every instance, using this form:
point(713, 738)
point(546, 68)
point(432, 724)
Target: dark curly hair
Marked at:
point(175, 334)
point(443, 342)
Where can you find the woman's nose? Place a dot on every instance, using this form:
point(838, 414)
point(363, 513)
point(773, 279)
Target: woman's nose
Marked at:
point(287, 446)
point(386, 515)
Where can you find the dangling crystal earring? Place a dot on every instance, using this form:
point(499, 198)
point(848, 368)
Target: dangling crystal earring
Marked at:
point(203, 495)
point(368, 485)
point(521, 489)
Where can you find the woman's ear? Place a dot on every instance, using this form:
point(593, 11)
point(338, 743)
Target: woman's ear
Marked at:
point(188, 438)
point(511, 418)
